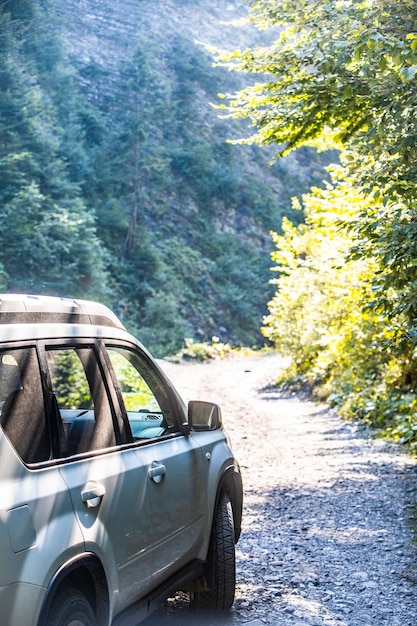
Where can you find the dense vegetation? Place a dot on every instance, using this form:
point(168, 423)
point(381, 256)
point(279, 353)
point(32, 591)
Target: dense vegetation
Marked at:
point(344, 74)
point(116, 180)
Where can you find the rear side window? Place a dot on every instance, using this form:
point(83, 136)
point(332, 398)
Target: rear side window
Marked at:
point(85, 414)
point(22, 415)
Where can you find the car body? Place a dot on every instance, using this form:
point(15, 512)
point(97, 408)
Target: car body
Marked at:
point(114, 494)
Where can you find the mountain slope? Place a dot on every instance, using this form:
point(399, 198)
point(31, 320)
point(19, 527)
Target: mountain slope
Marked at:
point(182, 218)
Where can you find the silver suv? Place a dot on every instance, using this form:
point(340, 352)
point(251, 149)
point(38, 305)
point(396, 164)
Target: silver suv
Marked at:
point(113, 494)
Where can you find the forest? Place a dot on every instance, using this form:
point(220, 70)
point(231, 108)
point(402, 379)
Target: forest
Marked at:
point(343, 75)
point(117, 182)
point(145, 170)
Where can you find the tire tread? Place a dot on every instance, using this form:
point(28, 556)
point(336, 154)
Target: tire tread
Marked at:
point(221, 567)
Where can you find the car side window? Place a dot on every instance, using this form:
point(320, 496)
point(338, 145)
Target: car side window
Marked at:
point(84, 408)
point(22, 408)
point(145, 398)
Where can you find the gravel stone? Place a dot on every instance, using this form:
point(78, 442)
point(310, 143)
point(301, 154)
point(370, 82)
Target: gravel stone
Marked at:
point(327, 528)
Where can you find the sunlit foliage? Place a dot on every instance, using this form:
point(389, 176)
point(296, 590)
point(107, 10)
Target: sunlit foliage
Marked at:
point(343, 73)
point(324, 316)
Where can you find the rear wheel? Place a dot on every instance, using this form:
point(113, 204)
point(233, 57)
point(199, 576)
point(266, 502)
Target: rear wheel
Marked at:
point(71, 608)
point(220, 571)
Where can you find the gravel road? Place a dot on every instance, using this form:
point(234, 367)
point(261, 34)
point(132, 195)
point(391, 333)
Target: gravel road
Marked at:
point(327, 534)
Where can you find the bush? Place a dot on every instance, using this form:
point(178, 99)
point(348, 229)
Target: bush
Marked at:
point(325, 317)
point(204, 351)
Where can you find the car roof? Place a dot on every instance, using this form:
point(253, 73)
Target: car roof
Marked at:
point(33, 309)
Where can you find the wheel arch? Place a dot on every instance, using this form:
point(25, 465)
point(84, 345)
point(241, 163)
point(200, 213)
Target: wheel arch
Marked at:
point(231, 485)
point(85, 573)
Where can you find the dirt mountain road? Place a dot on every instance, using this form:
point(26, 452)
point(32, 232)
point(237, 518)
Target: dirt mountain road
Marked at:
point(327, 536)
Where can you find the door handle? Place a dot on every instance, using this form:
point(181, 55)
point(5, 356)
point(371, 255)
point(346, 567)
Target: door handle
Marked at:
point(92, 494)
point(157, 471)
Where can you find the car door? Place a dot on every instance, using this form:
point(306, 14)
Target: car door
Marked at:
point(107, 481)
point(175, 466)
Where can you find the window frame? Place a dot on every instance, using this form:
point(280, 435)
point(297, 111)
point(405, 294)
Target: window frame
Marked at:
point(175, 411)
point(124, 437)
point(118, 422)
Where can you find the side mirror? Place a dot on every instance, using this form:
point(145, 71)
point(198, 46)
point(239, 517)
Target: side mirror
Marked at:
point(204, 415)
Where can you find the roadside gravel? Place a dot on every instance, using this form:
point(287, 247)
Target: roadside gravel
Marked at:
point(327, 534)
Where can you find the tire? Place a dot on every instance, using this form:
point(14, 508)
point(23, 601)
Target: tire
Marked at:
point(220, 570)
point(71, 608)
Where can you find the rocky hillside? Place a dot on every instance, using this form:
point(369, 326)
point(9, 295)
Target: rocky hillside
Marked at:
point(181, 218)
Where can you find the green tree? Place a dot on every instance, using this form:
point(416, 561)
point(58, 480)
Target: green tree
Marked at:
point(336, 71)
point(343, 74)
point(317, 313)
point(320, 315)
point(48, 242)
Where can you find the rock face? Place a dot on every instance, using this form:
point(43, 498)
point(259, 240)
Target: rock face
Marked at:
point(109, 25)
point(101, 37)
point(104, 32)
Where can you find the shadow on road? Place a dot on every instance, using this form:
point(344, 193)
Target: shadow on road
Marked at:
point(183, 616)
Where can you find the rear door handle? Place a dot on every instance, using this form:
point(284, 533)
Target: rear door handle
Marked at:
point(93, 493)
point(157, 472)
